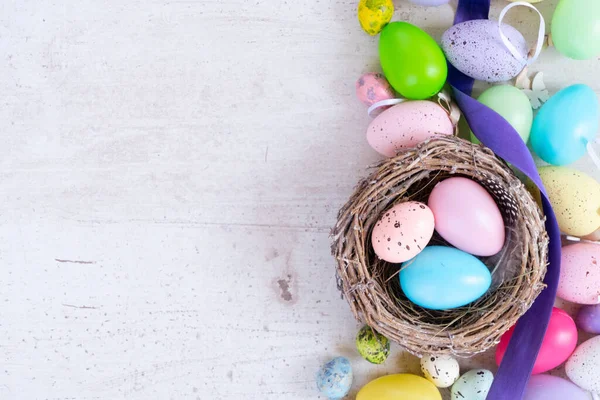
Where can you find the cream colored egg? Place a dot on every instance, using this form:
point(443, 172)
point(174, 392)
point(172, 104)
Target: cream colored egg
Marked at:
point(442, 371)
point(575, 198)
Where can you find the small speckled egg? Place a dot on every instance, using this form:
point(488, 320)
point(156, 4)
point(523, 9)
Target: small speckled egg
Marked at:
point(442, 371)
point(373, 15)
point(334, 379)
point(407, 124)
point(575, 198)
point(372, 88)
point(583, 368)
point(403, 231)
point(588, 319)
point(475, 48)
point(372, 346)
point(474, 385)
point(580, 274)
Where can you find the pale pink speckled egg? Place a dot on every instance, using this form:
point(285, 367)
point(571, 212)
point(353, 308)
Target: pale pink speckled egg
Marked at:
point(372, 88)
point(402, 232)
point(467, 216)
point(580, 273)
point(407, 124)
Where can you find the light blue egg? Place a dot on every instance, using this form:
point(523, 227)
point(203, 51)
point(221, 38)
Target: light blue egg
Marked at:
point(334, 379)
point(441, 278)
point(565, 124)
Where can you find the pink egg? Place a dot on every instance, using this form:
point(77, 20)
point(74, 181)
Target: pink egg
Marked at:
point(372, 88)
point(558, 344)
point(580, 273)
point(467, 216)
point(402, 232)
point(407, 124)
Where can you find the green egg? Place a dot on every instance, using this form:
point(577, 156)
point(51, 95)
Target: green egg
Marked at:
point(412, 61)
point(372, 346)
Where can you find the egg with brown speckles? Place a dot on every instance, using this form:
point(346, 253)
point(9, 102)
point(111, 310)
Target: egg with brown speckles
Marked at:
point(580, 274)
point(442, 370)
point(583, 367)
point(475, 48)
point(407, 124)
point(402, 232)
point(575, 198)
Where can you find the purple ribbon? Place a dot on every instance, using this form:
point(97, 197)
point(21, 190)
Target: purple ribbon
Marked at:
point(497, 134)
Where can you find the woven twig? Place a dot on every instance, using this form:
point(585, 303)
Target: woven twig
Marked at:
point(371, 286)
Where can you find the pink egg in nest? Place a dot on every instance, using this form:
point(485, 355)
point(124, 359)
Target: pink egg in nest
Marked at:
point(402, 232)
point(372, 88)
point(467, 216)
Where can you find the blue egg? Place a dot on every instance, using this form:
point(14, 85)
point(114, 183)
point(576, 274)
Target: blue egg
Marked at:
point(565, 124)
point(441, 278)
point(334, 379)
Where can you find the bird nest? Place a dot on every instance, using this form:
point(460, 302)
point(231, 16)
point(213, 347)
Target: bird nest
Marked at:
point(371, 286)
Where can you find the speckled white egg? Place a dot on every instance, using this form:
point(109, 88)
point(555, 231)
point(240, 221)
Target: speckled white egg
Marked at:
point(442, 371)
point(402, 232)
point(475, 48)
point(407, 124)
point(580, 273)
point(473, 385)
point(583, 367)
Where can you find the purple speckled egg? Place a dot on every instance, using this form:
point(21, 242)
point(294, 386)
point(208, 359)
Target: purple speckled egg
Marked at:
point(372, 88)
point(407, 124)
point(580, 274)
point(588, 318)
point(475, 49)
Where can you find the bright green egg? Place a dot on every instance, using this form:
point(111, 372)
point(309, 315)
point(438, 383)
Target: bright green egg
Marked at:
point(412, 61)
point(512, 104)
point(576, 28)
point(372, 346)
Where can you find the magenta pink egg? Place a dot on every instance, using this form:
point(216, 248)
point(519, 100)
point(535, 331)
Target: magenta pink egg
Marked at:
point(407, 124)
point(467, 216)
point(580, 273)
point(402, 232)
point(558, 344)
point(372, 88)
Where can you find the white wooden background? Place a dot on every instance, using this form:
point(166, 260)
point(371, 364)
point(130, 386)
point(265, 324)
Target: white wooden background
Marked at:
point(169, 173)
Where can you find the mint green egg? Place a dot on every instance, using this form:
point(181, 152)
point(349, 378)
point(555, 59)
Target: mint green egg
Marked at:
point(372, 346)
point(513, 105)
point(576, 28)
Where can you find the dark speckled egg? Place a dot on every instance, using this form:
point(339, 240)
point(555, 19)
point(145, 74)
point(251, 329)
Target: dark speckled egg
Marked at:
point(583, 368)
point(476, 49)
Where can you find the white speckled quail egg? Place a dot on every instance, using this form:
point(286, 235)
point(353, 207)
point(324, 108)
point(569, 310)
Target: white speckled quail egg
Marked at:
point(442, 371)
point(473, 385)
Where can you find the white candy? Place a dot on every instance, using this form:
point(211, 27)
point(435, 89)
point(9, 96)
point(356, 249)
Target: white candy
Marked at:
point(442, 371)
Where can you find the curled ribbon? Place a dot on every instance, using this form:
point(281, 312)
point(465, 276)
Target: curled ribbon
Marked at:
point(540, 39)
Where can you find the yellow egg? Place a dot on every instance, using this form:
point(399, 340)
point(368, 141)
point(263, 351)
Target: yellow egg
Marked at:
point(575, 198)
point(373, 15)
point(399, 386)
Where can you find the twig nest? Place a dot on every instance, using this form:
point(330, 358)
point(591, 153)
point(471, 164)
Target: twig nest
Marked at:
point(371, 285)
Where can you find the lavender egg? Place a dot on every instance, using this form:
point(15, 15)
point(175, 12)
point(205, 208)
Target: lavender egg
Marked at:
point(475, 49)
point(588, 319)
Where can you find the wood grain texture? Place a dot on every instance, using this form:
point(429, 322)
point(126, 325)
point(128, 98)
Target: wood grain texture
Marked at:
point(169, 174)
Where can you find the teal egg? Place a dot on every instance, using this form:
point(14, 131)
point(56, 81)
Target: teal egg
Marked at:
point(334, 379)
point(441, 278)
point(565, 124)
